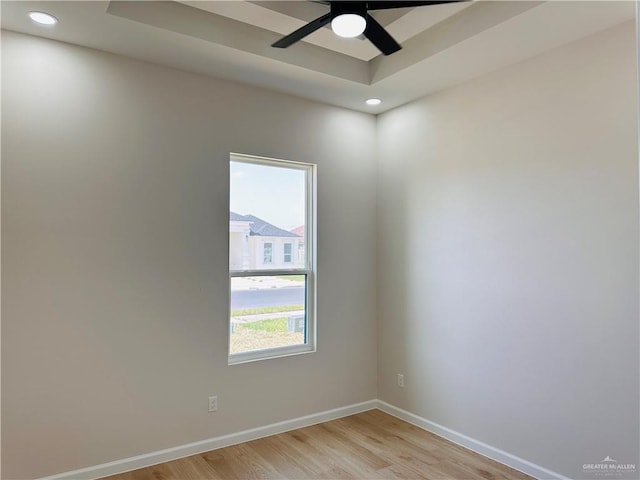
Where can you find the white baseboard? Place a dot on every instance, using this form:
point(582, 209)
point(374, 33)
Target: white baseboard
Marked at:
point(477, 446)
point(153, 458)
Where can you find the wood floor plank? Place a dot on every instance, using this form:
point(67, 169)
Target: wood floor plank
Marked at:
point(338, 473)
point(156, 472)
point(336, 459)
point(345, 452)
point(241, 461)
point(347, 442)
point(191, 467)
point(399, 471)
point(397, 448)
point(275, 451)
point(217, 461)
point(369, 445)
point(302, 444)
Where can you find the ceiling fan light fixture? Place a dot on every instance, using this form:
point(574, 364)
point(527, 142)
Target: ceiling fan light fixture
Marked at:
point(350, 18)
point(348, 25)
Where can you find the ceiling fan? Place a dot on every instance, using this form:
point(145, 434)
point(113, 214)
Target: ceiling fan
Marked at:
point(351, 18)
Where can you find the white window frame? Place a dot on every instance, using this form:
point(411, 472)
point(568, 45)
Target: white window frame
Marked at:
point(309, 269)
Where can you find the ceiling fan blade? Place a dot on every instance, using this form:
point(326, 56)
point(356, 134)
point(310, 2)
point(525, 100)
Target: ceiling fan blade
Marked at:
point(380, 37)
point(303, 31)
point(384, 5)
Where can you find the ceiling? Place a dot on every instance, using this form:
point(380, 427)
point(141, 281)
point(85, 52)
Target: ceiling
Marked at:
point(443, 45)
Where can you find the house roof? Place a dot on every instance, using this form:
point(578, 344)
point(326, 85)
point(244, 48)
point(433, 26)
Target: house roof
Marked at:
point(236, 217)
point(259, 227)
point(299, 230)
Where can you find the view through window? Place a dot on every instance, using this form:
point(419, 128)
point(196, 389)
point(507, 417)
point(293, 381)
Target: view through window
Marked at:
point(272, 290)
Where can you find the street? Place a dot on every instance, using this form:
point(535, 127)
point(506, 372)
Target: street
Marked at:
point(267, 297)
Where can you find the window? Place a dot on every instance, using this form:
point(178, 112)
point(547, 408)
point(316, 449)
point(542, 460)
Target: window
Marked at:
point(272, 280)
point(267, 253)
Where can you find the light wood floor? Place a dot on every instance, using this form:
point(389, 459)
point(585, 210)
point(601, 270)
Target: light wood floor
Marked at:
point(370, 445)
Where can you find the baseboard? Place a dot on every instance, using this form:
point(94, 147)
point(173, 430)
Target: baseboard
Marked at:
point(477, 446)
point(153, 458)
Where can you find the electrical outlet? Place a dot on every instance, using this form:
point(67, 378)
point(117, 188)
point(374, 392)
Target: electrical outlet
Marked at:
point(213, 403)
point(400, 380)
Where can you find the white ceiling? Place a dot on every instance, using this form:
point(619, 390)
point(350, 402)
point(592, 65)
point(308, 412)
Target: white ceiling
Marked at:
point(443, 45)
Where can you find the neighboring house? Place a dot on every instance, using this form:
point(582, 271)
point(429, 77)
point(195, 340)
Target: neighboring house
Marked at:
point(255, 244)
point(301, 232)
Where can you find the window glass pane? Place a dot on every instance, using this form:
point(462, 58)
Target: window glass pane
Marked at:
point(267, 312)
point(267, 255)
point(271, 266)
point(268, 212)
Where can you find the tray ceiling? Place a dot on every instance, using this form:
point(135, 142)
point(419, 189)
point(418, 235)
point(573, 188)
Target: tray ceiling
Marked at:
point(443, 45)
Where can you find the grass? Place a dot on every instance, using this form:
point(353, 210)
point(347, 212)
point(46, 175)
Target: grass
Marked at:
point(275, 309)
point(272, 325)
point(262, 334)
point(292, 278)
point(268, 333)
point(250, 340)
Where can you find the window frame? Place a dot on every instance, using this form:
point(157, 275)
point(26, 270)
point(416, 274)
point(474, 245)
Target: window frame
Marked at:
point(308, 269)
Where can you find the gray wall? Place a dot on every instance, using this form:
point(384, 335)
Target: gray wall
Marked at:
point(508, 256)
point(507, 259)
point(114, 246)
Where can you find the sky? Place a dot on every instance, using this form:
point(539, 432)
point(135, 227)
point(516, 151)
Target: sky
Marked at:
point(274, 194)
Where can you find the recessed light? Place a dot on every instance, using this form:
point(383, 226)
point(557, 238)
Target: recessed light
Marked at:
point(43, 18)
point(374, 101)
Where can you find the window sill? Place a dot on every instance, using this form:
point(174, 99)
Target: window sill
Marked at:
point(257, 355)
